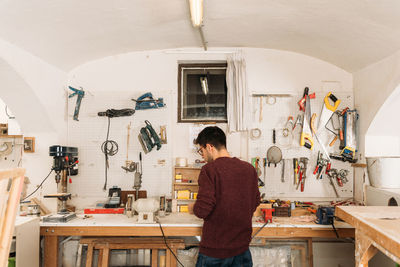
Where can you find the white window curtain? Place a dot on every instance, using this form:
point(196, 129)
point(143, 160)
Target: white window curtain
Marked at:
point(238, 107)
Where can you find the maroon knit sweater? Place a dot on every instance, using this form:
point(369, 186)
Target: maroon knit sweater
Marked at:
point(228, 196)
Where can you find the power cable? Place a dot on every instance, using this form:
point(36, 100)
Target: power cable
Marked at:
point(38, 186)
point(109, 148)
point(165, 241)
point(259, 230)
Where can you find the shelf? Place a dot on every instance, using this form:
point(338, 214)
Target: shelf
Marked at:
point(11, 136)
point(188, 167)
point(196, 184)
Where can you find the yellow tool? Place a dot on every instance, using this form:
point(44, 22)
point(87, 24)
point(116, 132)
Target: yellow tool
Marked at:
point(306, 134)
point(327, 110)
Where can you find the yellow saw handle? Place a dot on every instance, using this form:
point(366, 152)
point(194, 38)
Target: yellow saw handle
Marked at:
point(328, 105)
point(305, 136)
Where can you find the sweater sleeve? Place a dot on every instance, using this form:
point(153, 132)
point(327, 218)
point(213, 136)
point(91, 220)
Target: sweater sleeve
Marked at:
point(206, 200)
point(257, 192)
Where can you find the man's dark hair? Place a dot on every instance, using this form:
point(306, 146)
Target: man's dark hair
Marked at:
point(212, 135)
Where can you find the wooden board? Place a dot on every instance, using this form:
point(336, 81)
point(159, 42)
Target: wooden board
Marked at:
point(378, 226)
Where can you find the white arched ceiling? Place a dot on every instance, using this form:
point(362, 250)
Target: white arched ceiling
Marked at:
point(349, 34)
point(20, 97)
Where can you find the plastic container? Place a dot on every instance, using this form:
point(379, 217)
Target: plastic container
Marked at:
point(384, 172)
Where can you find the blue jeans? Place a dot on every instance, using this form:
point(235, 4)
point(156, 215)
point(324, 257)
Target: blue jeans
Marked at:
point(242, 260)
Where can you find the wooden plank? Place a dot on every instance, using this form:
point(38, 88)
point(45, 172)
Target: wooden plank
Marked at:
point(136, 246)
point(129, 240)
point(310, 252)
point(43, 209)
point(173, 260)
point(359, 165)
point(105, 257)
point(51, 251)
point(154, 258)
point(100, 258)
point(12, 173)
point(9, 219)
point(168, 258)
point(11, 136)
point(364, 249)
point(89, 256)
point(289, 232)
point(378, 223)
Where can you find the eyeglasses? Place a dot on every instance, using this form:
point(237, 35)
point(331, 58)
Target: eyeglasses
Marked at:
point(200, 151)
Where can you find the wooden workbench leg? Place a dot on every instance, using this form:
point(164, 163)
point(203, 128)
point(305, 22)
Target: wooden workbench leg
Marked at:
point(310, 252)
point(168, 258)
point(154, 257)
point(50, 251)
point(105, 257)
point(89, 256)
point(173, 259)
point(100, 258)
point(364, 249)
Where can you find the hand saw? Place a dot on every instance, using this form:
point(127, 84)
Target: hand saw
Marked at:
point(327, 110)
point(306, 135)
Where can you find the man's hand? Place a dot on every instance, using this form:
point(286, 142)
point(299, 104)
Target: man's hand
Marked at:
point(190, 208)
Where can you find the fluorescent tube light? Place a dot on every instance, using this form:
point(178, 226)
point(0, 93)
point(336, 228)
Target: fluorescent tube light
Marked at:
point(196, 12)
point(204, 84)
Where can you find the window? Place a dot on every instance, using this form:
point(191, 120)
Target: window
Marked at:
point(202, 92)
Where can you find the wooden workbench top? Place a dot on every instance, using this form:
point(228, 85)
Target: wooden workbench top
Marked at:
point(176, 220)
point(378, 226)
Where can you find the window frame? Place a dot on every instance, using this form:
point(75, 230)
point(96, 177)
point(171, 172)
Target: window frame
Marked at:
point(182, 66)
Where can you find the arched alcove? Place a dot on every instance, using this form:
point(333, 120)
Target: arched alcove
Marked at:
point(23, 101)
point(383, 135)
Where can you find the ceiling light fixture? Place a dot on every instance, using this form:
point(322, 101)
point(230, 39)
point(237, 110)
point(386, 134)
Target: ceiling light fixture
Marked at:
point(196, 12)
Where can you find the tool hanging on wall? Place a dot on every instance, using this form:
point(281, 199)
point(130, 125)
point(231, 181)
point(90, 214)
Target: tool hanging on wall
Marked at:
point(130, 166)
point(80, 94)
point(306, 139)
point(327, 110)
point(288, 127)
point(146, 101)
point(298, 122)
point(137, 183)
point(302, 102)
point(295, 171)
point(350, 119)
point(256, 164)
point(148, 138)
point(337, 125)
point(163, 134)
point(321, 164)
point(302, 173)
point(274, 153)
point(265, 168)
point(110, 147)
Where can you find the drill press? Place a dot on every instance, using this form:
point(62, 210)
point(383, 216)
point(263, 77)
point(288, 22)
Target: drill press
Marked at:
point(65, 164)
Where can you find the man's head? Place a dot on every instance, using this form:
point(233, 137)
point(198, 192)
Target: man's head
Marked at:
point(212, 143)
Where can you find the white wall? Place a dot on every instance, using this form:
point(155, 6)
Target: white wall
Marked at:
point(377, 101)
point(34, 92)
point(111, 83)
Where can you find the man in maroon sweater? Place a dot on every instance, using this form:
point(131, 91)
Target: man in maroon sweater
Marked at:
point(228, 195)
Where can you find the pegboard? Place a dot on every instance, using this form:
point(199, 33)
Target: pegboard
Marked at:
point(90, 132)
point(275, 112)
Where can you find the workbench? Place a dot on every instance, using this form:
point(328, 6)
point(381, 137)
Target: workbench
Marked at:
point(376, 227)
point(174, 225)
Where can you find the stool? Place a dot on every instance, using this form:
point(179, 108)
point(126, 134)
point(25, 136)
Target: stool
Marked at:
point(104, 245)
